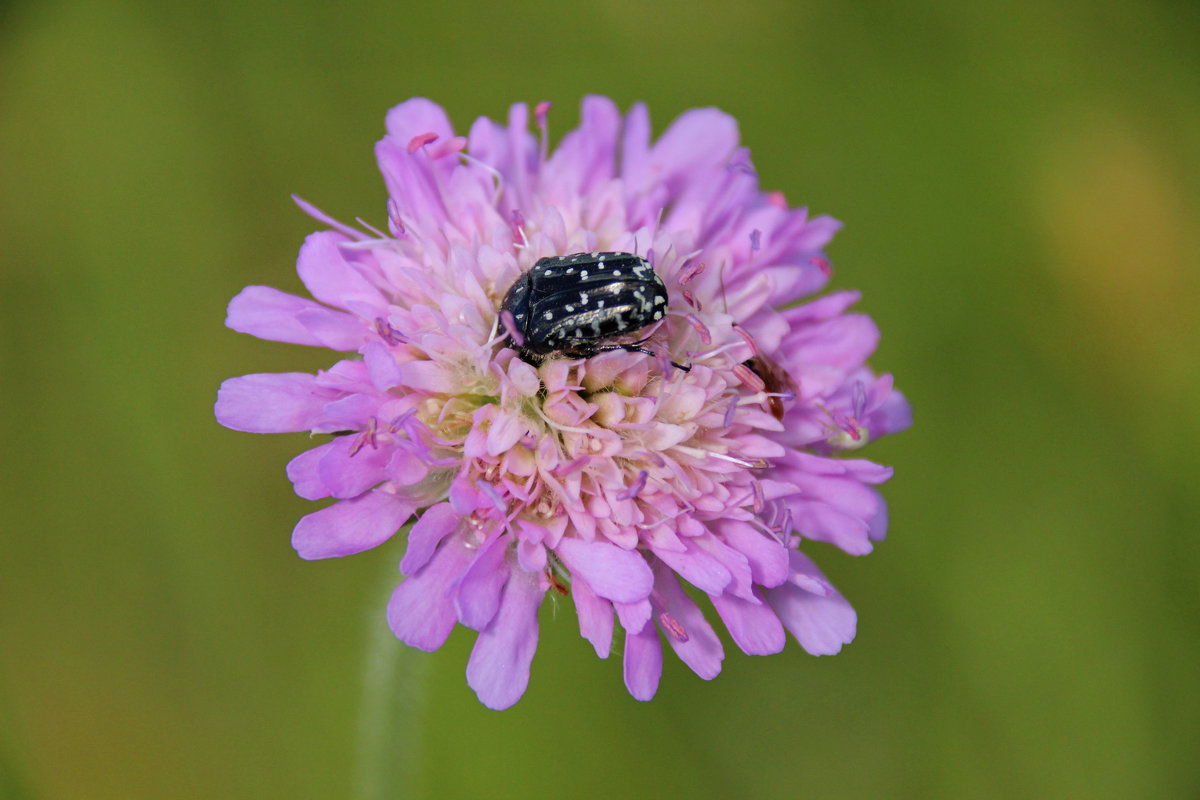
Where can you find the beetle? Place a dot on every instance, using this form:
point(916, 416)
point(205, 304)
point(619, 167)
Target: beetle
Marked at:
point(776, 381)
point(574, 304)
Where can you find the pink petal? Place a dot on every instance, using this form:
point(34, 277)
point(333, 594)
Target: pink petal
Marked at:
point(478, 597)
point(768, 558)
point(643, 663)
point(697, 568)
point(464, 495)
point(821, 623)
point(878, 524)
point(351, 526)
point(892, 416)
point(522, 153)
point(845, 493)
point(330, 277)
point(698, 140)
point(429, 376)
point(820, 309)
point(281, 317)
point(406, 469)
point(412, 183)
point(741, 582)
point(635, 146)
point(585, 156)
point(272, 403)
point(507, 429)
point(613, 573)
point(351, 467)
point(634, 616)
point(701, 650)
point(523, 379)
point(381, 366)
point(595, 617)
point(867, 471)
point(350, 413)
point(488, 142)
point(825, 523)
point(302, 472)
point(426, 534)
point(817, 234)
point(531, 556)
point(335, 329)
point(416, 116)
point(421, 612)
point(755, 628)
point(844, 342)
point(498, 669)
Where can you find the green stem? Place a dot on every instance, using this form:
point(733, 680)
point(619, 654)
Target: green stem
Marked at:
point(389, 727)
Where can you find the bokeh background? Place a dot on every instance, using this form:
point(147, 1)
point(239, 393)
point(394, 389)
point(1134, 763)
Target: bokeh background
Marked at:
point(1020, 184)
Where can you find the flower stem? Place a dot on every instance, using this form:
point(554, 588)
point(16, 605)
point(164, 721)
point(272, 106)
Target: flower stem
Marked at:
point(389, 726)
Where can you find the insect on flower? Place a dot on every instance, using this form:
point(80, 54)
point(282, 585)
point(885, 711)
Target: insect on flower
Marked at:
point(492, 403)
point(776, 382)
point(574, 304)
point(765, 375)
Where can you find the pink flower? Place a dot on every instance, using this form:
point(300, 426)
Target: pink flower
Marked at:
point(612, 477)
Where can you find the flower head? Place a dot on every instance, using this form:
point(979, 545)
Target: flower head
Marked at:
point(705, 451)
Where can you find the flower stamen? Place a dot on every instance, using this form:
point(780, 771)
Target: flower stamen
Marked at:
point(540, 112)
point(388, 333)
point(492, 494)
point(395, 225)
point(517, 221)
point(730, 410)
point(635, 487)
point(688, 273)
point(700, 328)
point(420, 140)
point(742, 332)
point(672, 627)
point(321, 216)
point(366, 437)
point(749, 377)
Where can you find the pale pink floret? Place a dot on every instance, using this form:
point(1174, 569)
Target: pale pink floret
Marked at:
point(612, 477)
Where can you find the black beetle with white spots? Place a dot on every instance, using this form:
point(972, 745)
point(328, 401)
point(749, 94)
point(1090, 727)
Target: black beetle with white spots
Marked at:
point(575, 304)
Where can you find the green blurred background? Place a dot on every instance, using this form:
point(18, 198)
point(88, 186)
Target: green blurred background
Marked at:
point(1020, 184)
